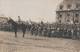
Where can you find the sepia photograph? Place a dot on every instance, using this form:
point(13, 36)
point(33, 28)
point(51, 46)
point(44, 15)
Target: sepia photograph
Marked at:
point(39, 25)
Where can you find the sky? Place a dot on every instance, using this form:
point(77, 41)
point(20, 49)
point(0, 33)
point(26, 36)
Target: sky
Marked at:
point(35, 10)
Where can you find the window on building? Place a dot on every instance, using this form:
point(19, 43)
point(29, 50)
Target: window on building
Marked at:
point(61, 7)
point(68, 20)
point(69, 6)
point(77, 5)
point(76, 21)
point(59, 21)
point(77, 15)
point(68, 14)
point(59, 16)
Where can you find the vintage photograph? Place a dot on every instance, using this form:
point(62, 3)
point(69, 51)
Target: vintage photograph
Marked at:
point(39, 25)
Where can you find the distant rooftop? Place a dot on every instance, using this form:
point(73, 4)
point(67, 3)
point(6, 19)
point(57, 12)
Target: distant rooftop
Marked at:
point(69, 5)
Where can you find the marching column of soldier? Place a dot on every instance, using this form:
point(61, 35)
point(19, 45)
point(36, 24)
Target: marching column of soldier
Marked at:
point(43, 29)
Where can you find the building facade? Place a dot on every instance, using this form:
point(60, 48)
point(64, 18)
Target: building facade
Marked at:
point(4, 23)
point(68, 12)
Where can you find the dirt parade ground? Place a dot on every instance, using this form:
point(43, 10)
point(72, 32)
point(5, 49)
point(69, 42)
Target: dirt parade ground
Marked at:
point(8, 43)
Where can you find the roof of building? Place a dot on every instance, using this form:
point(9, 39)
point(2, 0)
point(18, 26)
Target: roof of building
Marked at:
point(4, 18)
point(71, 3)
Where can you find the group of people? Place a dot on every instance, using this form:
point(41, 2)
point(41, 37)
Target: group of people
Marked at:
point(42, 29)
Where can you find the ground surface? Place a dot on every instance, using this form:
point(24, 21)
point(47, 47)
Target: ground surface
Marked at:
point(8, 43)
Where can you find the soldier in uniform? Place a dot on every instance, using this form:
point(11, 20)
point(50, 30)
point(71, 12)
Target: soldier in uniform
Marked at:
point(23, 26)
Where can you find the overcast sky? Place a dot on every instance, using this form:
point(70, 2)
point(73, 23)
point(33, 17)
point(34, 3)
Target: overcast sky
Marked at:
point(35, 10)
